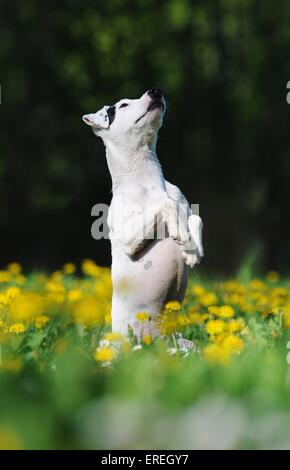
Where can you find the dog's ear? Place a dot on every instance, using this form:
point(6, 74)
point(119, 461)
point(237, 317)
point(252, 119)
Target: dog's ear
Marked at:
point(99, 119)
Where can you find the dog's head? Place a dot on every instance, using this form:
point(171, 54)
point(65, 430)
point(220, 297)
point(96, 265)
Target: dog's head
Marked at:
point(130, 122)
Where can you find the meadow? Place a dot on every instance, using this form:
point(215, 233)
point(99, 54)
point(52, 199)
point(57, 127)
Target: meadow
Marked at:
point(67, 382)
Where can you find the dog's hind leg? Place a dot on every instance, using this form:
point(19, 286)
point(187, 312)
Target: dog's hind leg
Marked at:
point(124, 319)
point(119, 316)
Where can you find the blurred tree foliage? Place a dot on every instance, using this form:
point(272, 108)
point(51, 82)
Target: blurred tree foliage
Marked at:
point(223, 65)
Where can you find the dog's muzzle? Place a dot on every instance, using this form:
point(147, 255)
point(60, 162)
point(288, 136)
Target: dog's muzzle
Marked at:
point(157, 101)
point(156, 96)
point(155, 93)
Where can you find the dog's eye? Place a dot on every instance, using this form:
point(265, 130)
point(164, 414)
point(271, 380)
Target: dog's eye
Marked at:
point(124, 105)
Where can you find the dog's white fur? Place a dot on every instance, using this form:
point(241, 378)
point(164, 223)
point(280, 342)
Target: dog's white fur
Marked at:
point(146, 272)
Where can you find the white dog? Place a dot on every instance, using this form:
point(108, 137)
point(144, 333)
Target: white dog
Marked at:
point(148, 270)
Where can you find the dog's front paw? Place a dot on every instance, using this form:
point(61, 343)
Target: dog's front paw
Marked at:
point(191, 259)
point(195, 227)
point(170, 216)
point(176, 226)
point(183, 233)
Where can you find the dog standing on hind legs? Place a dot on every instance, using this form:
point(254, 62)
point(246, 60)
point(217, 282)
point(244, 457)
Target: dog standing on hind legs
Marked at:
point(148, 270)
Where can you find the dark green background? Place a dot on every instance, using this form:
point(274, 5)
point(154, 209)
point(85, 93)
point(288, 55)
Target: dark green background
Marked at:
point(223, 65)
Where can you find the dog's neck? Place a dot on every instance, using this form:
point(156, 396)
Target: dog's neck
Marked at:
point(135, 166)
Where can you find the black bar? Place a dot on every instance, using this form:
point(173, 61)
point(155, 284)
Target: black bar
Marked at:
point(138, 458)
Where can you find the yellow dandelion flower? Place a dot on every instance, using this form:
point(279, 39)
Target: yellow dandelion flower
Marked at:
point(27, 305)
point(217, 354)
point(56, 285)
point(214, 327)
point(182, 320)
point(226, 311)
point(57, 276)
point(280, 292)
point(12, 292)
point(208, 299)
point(168, 324)
point(113, 336)
point(233, 343)
point(262, 302)
point(88, 311)
point(198, 290)
point(5, 276)
point(56, 298)
point(275, 303)
point(147, 339)
point(257, 284)
point(232, 285)
point(219, 338)
point(120, 341)
point(195, 318)
point(173, 306)
point(14, 268)
point(103, 289)
point(273, 276)
point(74, 294)
point(143, 316)
point(69, 268)
point(105, 354)
point(41, 321)
point(3, 300)
point(276, 310)
point(17, 328)
point(214, 310)
point(3, 329)
point(235, 325)
point(235, 299)
point(20, 279)
point(90, 268)
point(249, 308)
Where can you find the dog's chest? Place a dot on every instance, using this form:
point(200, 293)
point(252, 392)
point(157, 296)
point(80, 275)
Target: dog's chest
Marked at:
point(130, 203)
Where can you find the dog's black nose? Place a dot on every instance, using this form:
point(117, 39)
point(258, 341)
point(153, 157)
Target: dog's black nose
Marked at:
point(155, 93)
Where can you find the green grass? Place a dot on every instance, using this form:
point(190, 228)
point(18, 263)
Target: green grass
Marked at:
point(55, 395)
